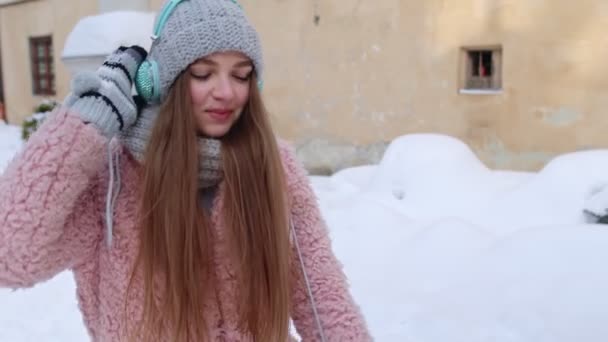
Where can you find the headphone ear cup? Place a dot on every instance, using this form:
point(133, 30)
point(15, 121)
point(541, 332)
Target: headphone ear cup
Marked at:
point(147, 81)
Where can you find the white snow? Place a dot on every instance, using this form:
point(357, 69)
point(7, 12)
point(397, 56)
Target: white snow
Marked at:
point(437, 247)
point(10, 143)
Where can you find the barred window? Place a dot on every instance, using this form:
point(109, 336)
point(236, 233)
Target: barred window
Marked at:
point(43, 73)
point(482, 69)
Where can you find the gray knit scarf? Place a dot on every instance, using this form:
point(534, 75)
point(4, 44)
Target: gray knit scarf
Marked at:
point(137, 136)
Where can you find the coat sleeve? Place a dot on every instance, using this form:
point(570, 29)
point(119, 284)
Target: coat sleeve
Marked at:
point(47, 199)
point(340, 317)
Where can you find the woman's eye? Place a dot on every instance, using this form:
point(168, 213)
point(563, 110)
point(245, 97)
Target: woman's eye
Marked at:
point(242, 78)
point(200, 76)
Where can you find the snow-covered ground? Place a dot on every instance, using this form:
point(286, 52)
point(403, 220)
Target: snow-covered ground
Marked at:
point(437, 248)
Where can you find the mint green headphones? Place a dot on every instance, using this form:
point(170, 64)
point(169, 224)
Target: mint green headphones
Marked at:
point(147, 78)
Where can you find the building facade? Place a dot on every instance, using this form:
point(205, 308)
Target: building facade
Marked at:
point(518, 81)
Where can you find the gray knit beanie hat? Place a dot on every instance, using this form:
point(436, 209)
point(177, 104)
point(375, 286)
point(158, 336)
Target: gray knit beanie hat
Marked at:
point(188, 30)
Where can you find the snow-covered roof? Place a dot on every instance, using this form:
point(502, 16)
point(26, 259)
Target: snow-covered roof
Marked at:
point(99, 35)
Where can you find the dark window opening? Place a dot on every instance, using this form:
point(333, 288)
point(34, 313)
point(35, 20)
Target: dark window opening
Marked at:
point(482, 63)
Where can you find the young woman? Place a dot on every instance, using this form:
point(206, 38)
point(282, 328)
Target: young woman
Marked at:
point(184, 219)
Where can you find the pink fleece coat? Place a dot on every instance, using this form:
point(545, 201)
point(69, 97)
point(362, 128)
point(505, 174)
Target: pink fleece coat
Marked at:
point(52, 200)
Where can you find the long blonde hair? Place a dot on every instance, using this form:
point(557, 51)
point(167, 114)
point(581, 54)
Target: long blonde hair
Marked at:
point(175, 239)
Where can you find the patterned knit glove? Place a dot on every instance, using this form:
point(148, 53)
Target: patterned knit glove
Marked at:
point(103, 98)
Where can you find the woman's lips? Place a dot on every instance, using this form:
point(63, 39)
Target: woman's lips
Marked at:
point(220, 114)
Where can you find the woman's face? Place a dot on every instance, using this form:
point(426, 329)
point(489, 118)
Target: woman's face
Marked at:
point(219, 88)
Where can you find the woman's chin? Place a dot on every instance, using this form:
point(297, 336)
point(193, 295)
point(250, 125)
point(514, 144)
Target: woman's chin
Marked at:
point(215, 131)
